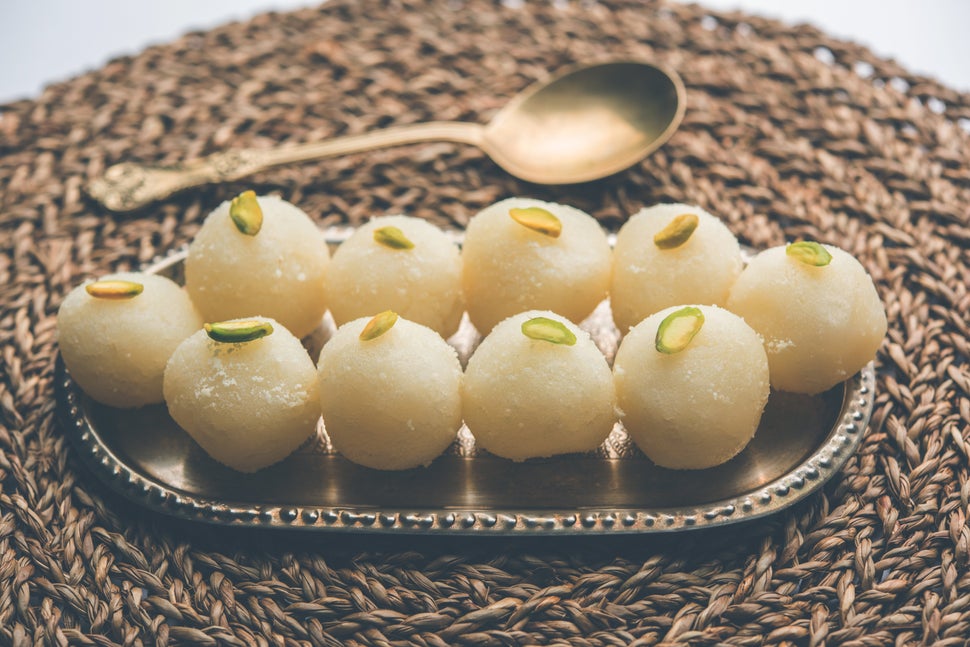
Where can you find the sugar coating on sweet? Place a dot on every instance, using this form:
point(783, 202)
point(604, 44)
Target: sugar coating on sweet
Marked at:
point(248, 405)
point(526, 398)
point(277, 273)
point(422, 284)
point(509, 268)
point(820, 324)
point(647, 279)
point(116, 350)
point(392, 402)
point(698, 407)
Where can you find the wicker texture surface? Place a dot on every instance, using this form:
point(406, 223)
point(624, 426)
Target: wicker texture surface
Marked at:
point(788, 134)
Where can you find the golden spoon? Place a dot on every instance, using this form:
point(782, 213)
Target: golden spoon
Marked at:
point(580, 125)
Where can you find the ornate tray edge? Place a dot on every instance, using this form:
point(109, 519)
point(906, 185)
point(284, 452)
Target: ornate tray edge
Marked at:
point(824, 463)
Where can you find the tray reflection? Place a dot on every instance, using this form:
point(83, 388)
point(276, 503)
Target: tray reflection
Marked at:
point(616, 476)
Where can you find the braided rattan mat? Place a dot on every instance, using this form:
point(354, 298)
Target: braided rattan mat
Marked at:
point(788, 134)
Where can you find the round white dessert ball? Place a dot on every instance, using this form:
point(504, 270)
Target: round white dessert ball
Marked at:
point(526, 397)
point(509, 268)
point(820, 324)
point(248, 405)
point(391, 402)
point(278, 272)
point(116, 348)
point(648, 277)
point(698, 407)
point(397, 263)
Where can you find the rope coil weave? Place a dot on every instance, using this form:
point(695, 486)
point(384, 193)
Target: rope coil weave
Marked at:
point(789, 134)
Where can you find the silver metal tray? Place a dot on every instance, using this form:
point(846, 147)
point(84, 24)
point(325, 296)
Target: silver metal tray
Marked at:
point(802, 442)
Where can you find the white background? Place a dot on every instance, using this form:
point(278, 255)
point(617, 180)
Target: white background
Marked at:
point(43, 41)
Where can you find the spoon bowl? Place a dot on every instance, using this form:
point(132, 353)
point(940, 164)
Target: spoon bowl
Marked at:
point(586, 123)
point(583, 124)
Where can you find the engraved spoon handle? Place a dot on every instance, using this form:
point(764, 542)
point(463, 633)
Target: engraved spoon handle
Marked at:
point(129, 186)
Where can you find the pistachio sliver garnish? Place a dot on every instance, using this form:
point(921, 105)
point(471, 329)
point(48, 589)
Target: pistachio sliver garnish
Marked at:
point(809, 252)
point(246, 213)
point(677, 231)
point(393, 238)
point(550, 330)
point(114, 289)
point(537, 219)
point(237, 332)
point(678, 329)
point(379, 325)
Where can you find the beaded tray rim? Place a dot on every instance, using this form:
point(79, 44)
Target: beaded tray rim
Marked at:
point(775, 496)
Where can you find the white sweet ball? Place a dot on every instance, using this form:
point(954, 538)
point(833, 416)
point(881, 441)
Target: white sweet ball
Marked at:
point(277, 273)
point(248, 405)
point(509, 268)
point(422, 283)
point(116, 349)
point(392, 402)
point(698, 407)
point(524, 397)
point(647, 279)
point(820, 324)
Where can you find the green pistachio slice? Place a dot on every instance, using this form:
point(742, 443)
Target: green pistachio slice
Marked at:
point(538, 219)
point(246, 213)
point(114, 289)
point(810, 253)
point(550, 330)
point(393, 238)
point(379, 325)
point(677, 231)
point(678, 329)
point(237, 332)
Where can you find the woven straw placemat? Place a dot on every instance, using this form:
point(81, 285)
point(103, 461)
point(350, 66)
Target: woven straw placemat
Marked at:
point(788, 134)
